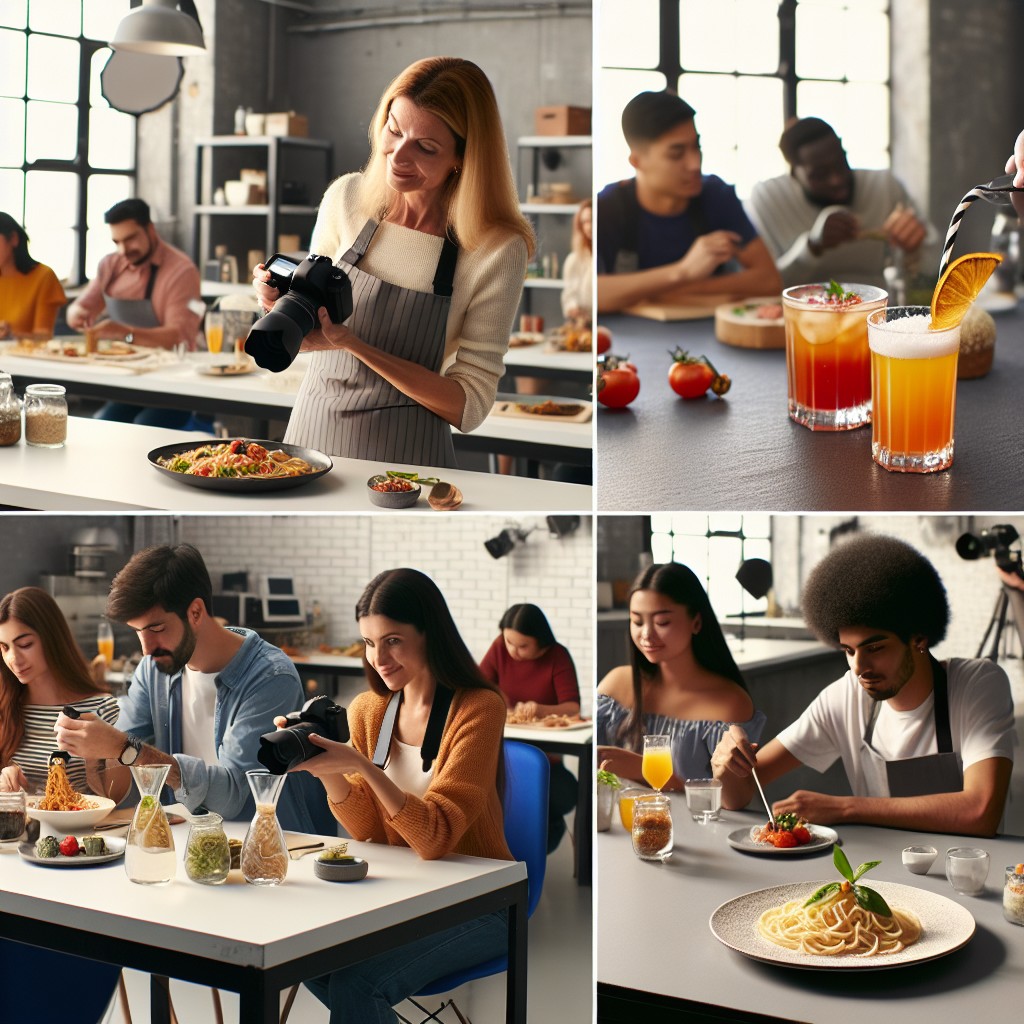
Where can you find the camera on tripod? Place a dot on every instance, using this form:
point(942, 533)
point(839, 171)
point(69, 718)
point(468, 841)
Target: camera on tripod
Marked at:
point(996, 542)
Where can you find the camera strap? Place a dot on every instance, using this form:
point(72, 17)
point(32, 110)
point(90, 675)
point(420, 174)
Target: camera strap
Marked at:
point(431, 738)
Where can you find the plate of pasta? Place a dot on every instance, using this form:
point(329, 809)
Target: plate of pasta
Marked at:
point(61, 806)
point(774, 926)
point(240, 464)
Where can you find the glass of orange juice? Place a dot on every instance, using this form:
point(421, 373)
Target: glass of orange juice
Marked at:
point(657, 761)
point(214, 332)
point(626, 798)
point(913, 387)
point(105, 641)
point(827, 361)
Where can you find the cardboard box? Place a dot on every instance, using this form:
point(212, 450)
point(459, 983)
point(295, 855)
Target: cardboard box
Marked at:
point(288, 123)
point(562, 120)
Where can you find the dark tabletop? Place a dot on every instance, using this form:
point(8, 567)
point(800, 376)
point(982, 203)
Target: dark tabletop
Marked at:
point(743, 453)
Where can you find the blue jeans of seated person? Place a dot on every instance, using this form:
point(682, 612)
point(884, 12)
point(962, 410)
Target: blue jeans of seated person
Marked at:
point(173, 419)
point(366, 992)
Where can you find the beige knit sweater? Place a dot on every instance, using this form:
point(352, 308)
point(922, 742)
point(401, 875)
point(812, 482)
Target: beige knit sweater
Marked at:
point(488, 285)
point(460, 811)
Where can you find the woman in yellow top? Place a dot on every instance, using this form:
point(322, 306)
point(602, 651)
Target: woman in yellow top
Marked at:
point(30, 294)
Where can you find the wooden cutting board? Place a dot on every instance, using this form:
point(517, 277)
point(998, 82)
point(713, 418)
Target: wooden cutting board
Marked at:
point(699, 308)
point(736, 324)
point(504, 408)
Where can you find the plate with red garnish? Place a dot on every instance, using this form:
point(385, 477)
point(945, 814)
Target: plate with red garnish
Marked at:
point(790, 835)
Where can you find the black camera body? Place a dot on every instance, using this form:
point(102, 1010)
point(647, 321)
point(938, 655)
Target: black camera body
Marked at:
point(275, 338)
point(285, 748)
point(995, 542)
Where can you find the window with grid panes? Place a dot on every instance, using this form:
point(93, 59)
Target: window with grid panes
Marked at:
point(713, 545)
point(747, 66)
point(65, 155)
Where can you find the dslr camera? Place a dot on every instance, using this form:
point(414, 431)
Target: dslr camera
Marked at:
point(995, 542)
point(274, 339)
point(285, 748)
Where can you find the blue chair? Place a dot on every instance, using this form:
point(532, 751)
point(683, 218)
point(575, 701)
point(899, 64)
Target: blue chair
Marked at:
point(525, 808)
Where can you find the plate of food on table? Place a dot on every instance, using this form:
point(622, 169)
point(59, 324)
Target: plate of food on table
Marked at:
point(240, 464)
point(530, 721)
point(70, 851)
point(545, 408)
point(843, 924)
point(62, 807)
point(788, 834)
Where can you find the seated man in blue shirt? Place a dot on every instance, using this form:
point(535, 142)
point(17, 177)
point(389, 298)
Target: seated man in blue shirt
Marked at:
point(200, 698)
point(672, 233)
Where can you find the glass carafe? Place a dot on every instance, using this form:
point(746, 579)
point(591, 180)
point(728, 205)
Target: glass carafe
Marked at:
point(264, 853)
point(149, 857)
point(207, 854)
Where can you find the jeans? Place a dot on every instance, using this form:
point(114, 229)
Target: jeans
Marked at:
point(562, 792)
point(366, 992)
point(174, 419)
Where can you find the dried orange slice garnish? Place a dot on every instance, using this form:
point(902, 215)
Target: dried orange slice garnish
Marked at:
point(959, 286)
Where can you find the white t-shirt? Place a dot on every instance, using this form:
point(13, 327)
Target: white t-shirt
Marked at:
point(405, 769)
point(198, 701)
point(980, 718)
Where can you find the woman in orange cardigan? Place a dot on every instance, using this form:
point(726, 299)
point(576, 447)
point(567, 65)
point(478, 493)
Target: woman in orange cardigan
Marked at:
point(432, 779)
point(30, 294)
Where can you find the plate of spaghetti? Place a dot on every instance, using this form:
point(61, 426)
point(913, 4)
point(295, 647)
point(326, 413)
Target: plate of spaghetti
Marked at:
point(61, 806)
point(774, 926)
point(240, 465)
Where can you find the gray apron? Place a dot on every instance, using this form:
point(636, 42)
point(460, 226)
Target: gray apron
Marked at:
point(916, 776)
point(346, 409)
point(135, 312)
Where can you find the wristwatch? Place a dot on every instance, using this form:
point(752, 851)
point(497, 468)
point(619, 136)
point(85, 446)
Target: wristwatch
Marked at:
point(130, 751)
point(129, 338)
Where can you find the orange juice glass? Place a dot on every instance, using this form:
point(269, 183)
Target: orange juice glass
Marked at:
point(214, 332)
point(913, 388)
point(626, 799)
point(827, 360)
point(105, 641)
point(657, 761)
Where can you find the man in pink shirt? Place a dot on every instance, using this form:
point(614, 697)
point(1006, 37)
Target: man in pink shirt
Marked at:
point(146, 292)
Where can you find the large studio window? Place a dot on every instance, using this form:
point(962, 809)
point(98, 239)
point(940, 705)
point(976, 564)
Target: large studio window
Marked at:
point(747, 66)
point(65, 155)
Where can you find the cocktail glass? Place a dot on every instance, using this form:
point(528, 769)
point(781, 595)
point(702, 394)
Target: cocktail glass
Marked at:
point(913, 388)
point(264, 852)
point(657, 761)
point(827, 360)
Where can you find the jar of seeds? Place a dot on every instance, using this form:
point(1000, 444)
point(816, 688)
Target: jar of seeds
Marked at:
point(46, 415)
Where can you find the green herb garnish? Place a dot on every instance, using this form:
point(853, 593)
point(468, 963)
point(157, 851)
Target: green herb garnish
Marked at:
point(866, 898)
point(607, 778)
point(836, 291)
point(413, 477)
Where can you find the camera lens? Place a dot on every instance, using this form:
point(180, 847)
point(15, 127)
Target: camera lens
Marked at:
point(274, 339)
point(285, 748)
point(970, 547)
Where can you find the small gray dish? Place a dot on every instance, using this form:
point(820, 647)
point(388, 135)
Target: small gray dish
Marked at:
point(341, 870)
point(392, 499)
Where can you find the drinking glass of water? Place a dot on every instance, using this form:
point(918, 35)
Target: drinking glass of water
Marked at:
point(704, 799)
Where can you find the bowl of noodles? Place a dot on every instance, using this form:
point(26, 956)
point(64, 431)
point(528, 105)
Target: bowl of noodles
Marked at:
point(62, 807)
point(240, 465)
point(91, 811)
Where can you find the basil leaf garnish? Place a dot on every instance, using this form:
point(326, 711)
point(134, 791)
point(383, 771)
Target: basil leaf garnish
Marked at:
point(865, 868)
point(825, 890)
point(841, 863)
point(871, 900)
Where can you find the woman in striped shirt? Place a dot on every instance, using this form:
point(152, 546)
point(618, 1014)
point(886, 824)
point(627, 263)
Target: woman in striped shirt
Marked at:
point(42, 670)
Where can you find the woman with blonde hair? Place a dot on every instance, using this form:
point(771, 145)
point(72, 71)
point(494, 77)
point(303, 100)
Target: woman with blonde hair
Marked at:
point(578, 269)
point(433, 243)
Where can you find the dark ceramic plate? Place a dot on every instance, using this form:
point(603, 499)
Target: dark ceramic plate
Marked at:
point(248, 484)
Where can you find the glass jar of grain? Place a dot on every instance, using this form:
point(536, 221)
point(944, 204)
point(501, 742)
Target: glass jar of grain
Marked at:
point(46, 415)
point(10, 412)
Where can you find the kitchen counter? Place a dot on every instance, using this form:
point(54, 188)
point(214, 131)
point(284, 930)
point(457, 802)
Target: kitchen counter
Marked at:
point(104, 466)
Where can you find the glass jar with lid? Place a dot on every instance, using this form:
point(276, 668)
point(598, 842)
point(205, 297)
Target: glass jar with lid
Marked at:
point(207, 854)
point(10, 412)
point(46, 415)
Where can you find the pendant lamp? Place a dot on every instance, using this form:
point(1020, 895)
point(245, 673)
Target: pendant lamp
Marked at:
point(159, 27)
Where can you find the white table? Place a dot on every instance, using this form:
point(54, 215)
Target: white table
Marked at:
point(165, 382)
point(577, 743)
point(656, 953)
point(255, 940)
point(104, 466)
point(539, 361)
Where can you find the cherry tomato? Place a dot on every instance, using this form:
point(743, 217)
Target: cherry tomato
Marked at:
point(617, 388)
point(691, 376)
point(801, 835)
point(604, 340)
point(69, 846)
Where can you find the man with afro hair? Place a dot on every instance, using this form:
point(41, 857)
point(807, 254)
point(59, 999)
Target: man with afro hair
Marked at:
point(926, 745)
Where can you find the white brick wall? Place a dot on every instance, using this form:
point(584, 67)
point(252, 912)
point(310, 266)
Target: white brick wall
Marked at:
point(333, 558)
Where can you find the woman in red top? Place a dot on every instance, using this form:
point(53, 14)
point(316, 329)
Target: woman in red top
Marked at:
point(537, 677)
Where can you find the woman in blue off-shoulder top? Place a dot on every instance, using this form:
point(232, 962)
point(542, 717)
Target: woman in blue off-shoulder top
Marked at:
point(682, 680)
